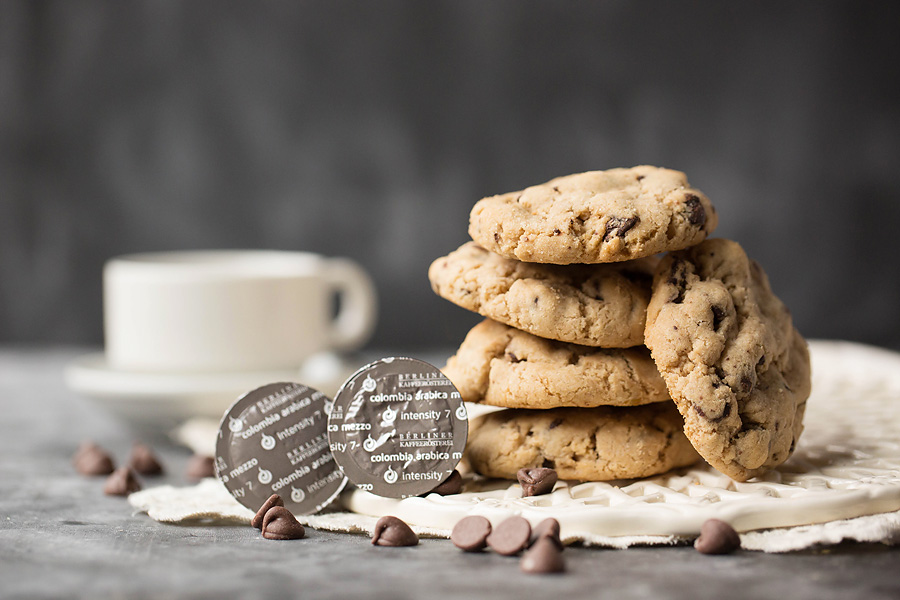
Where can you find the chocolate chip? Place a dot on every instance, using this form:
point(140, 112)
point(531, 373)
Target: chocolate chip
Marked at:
point(718, 314)
point(537, 481)
point(696, 212)
point(200, 467)
point(554, 423)
point(121, 482)
point(510, 537)
point(471, 533)
point(91, 459)
point(717, 537)
point(556, 231)
point(451, 485)
point(497, 237)
point(512, 357)
point(618, 227)
point(281, 524)
point(391, 531)
point(548, 528)
point(260, 516)
point(746, 384)
point(143, 460)
point(544, 557)
point(678, 279)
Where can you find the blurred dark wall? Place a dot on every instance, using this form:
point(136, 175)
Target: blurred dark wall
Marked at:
point(368, 129)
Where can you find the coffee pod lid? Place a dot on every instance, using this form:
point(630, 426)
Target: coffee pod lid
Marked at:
point(398, 427)
point(273, 440)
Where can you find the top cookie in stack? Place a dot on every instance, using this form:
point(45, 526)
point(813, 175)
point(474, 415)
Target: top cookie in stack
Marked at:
point(570, 270)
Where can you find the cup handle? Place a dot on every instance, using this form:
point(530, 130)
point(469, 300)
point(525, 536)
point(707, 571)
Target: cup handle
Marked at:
point(355, 321)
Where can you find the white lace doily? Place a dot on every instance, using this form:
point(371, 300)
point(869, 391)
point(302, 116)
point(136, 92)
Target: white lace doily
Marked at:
point(847, 464)
point(843, 482)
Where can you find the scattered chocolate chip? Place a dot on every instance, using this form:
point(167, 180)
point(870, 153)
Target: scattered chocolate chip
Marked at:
point(471, 533)
point(260, 516)
point(497, 237)
point(696, 212)
point(618, 227)
point(143, 460)
point(200, 467)
point(746, 384)
point(91, 459)
point(281, 524)
point(544, 557)
point(451, 485)
point(556, 231)
point(537, 481)
point(717, 537)
point(391, 531)
point(512, 357)
point(554, 424)
point(121, 482)
point(510, 537)
point(548, 528)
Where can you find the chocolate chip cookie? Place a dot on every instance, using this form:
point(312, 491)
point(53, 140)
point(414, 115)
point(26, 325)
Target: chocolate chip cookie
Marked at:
point(595, 217)
point(589, 444)
point(502, 366)
point(592, 305)
point(733, 362)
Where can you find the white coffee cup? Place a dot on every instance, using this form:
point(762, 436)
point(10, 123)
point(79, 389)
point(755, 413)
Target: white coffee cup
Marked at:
point(232, 310)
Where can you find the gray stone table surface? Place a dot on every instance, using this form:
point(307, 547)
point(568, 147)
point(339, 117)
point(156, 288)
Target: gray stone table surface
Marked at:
point(61, 537)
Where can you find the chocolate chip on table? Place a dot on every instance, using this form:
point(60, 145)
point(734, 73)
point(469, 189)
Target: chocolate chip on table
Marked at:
point(536, 481)
point(548, 528)
point(91, 459)
point(260, 516)
point(451, 485)
point(717, 537)
point(200, 466)
point(281, 524)
point(471, 533)
point(543, 557)
point(510, 536)
point(143, 460)
point(391, 531)
point(121, 482)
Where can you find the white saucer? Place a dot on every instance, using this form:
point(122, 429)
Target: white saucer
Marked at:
point(159, 401)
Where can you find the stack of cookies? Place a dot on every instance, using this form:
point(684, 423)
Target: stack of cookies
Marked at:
point(591, 333)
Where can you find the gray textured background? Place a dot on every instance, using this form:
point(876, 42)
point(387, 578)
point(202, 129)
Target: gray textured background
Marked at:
point(368, 129)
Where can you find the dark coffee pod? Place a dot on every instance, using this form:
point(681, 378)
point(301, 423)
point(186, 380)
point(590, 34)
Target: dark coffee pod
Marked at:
point(448, 487)
point(121, 482)
point(471, 533)
point(260, 516)
point(717, 537)
point(91, 459)
point(281, 524)
point(273, 440)
point(200, 467)
point(510, 536)
point(144, 461)
point(548, 528)
point(536, 481)
point(544, 557)
point(391, 531)
point(398, 427)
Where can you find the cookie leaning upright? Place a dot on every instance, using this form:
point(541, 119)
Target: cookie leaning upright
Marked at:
point(733, 362)
point(595, 217)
